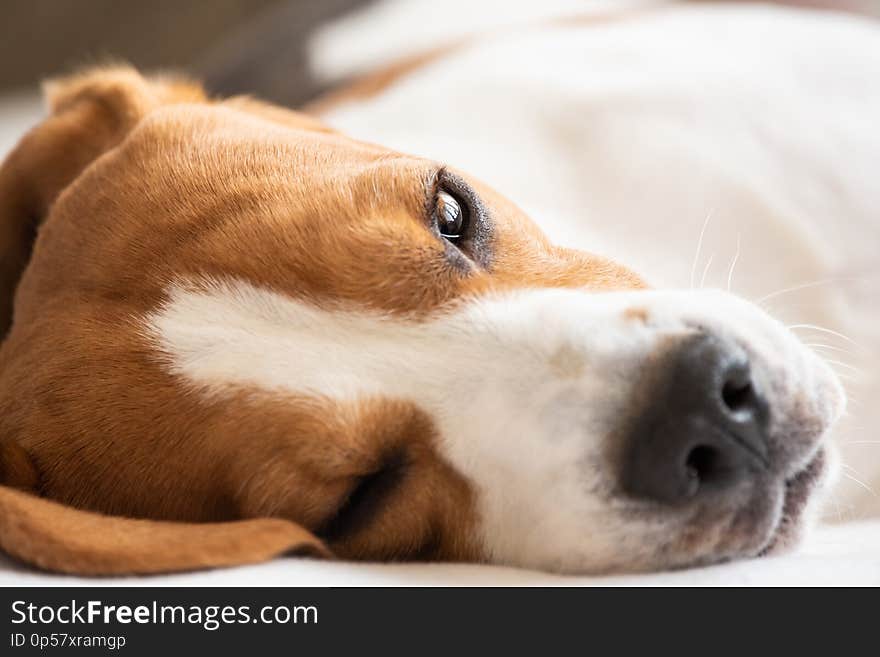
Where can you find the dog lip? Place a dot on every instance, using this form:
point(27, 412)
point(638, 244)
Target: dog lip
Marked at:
point(797, 490)
point(366, 498)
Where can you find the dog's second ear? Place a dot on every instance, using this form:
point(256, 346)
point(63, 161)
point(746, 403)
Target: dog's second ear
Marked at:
point(89, 114)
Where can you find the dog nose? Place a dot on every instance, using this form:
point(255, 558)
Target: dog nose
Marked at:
point(705, 428)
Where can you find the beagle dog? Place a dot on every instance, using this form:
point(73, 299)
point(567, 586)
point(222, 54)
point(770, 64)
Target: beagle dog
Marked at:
point(235, 333)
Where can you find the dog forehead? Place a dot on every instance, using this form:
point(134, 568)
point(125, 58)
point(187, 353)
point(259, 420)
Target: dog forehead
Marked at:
point(232, 159)
point(267, 197)
point(199, 190)
point(229, 131)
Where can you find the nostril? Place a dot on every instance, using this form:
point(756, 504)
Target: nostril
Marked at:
point(738, 396)
point(702, 465)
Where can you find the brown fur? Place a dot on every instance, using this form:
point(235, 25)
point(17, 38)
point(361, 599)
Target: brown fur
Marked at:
point(137, 183)
point(55, 537)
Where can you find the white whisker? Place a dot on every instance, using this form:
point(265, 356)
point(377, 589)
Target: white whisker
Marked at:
point(847, 366)
point(813, 327)
point(859, 482)
point(733, 264)
point(820, 345)
point(699, 247)
point(802, 286)
point(706, 270)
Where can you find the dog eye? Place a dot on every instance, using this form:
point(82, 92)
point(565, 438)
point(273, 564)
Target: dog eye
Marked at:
point(450, 215)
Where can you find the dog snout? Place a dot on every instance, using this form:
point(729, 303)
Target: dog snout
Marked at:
point(705, 427)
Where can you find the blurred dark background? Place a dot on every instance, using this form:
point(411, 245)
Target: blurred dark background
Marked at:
point(229, 43)
point(41, 37)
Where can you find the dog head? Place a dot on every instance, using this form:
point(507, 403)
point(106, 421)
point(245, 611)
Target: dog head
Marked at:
point(232, 312)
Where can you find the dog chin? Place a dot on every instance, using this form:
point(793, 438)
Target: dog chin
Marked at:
point(773, 522)
point(799, 509)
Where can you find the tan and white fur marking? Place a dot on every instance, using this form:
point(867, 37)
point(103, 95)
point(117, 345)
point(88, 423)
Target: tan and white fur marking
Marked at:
point(527, 391)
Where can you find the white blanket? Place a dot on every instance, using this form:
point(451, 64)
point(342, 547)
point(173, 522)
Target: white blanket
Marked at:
point(844, 555)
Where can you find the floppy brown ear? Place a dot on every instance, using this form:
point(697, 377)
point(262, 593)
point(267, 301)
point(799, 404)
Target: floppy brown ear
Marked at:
point(89, 113)
point(54, 537)
point(66, 540)
point(59, 538)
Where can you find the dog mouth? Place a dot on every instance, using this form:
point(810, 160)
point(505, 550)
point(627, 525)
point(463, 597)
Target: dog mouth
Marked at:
point(798, 493)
